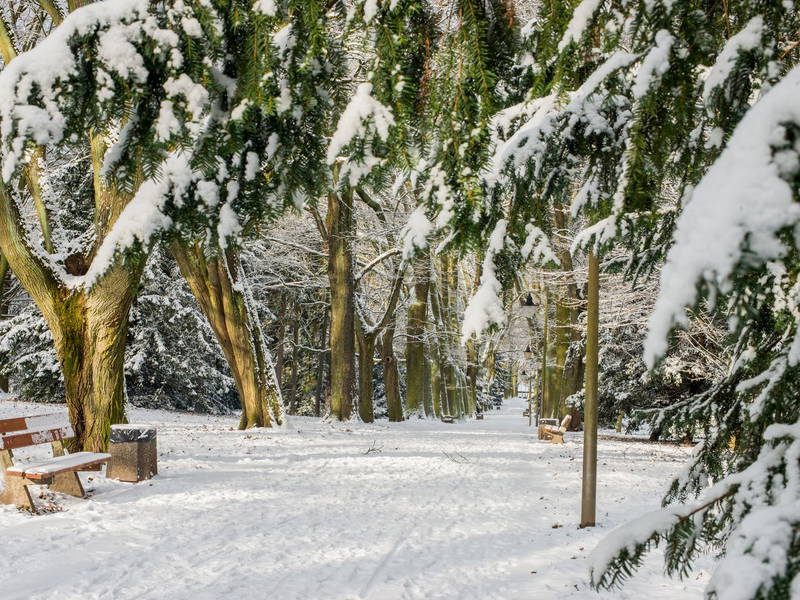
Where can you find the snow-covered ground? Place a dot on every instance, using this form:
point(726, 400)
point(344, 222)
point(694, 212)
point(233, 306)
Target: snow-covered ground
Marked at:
point(324, 511)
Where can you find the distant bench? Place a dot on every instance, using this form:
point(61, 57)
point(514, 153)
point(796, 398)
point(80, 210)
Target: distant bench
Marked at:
point(59, 472)
point(550, 430)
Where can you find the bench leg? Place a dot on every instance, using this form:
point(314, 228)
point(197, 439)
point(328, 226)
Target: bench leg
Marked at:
point(16, 492)
point(58, 448)
point(556, 438)
point(6, 459)
point(68, 483)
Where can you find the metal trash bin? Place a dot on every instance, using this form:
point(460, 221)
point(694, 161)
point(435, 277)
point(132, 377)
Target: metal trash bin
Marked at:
point(134, 456)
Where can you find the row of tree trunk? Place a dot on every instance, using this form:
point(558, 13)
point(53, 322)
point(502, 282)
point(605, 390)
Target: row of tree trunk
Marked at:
point(435, 385)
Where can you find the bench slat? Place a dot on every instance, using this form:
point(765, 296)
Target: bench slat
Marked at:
point(48, 421)
point(62, 464)
point(21, 439)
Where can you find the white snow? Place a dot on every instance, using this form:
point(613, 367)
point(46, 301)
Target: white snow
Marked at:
point(370, 10)
point(749, 38)
point(362, 110)
point(266, 7)
point(485, 308)
point(654, 65)
point(229, 226)
point(475, 510)
point(56, 465)
point(284, 40)
point(581, 17)
point(415, 233)
point(742, 198)
point(51, 62)
point(143, 217)
point(537, 247)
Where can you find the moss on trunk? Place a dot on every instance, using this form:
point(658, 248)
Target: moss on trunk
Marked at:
point(342, 324)
point(418, 388)
point(216, 283)
point(391, 376)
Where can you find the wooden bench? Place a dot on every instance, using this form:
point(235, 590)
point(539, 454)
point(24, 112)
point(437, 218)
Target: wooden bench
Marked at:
point(59, 472)
point(447, 418)
point(555, 434)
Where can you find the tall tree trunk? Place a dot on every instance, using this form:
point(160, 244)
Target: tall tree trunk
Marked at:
point(471, 391)
point(89, 327)
point(295, 369)
point(4, 384)
point(323, 359)
point(342, 328)
point(589, 484)
point(473, 367)
point(514, 376)
point(417, 382)
point(217, 283)
point(545, 410)
point(90, 343)
point(563, 338)
point(448, 401)
point(391, 376)
point(279, 348)
point(366, 362)
point(567, 314)
point(436, 385)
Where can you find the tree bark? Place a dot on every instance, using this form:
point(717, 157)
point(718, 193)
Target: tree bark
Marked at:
point(418, 387)
point(4, 384)
point(90, 342)
point(567, 313)
point(323, 359)
point(366, 362)
point(589, 486)
point(436, 386)
point(391, 376)
point(546, 409)
point(217, 284)
point(448, 398)
point(89, 327)
point(342, 327)
point(293, 402)
point(471, 391)
point(279, 348)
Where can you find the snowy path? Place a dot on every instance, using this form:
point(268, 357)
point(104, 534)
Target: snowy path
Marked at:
point(437, 511)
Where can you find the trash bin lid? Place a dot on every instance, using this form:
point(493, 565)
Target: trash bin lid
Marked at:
point(132, 433)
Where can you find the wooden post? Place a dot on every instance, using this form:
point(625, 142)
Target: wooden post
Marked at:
point(530, 400)
point(589, 488)
point(543, 397)
point(342, 309)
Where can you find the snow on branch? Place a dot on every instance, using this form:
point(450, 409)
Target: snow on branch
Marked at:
point(654, 65)
point(93, 70)
point(415, 233)
point(742, 204)
point(747, 40)
point(38, 88)
point(581, 18)
point(486, 308)
point(144, 216)
point(758, 549)
point(364, 119)
point(524, 151)
point(537, 247)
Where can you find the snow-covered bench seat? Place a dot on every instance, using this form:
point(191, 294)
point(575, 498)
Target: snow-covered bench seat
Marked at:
point(554, 434)
point(59, 472)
